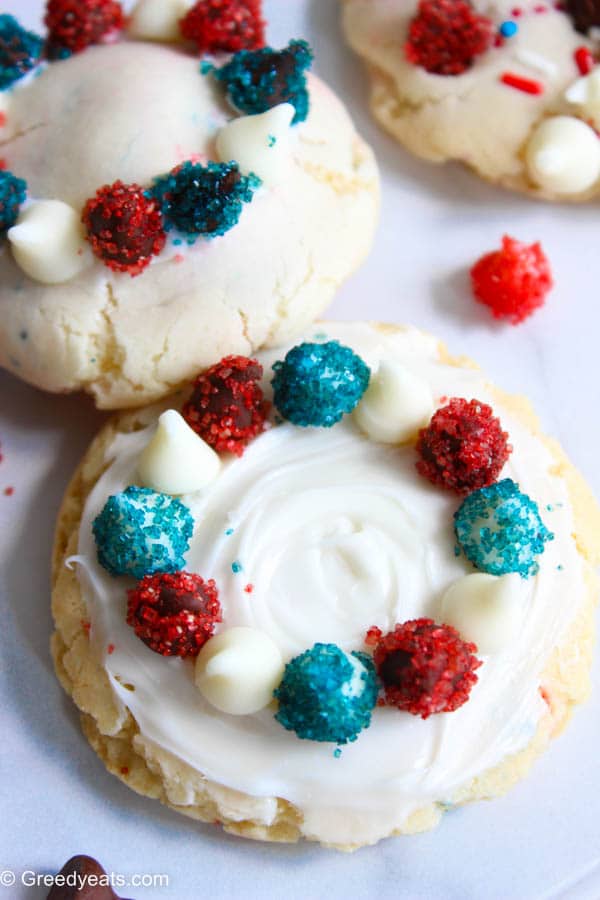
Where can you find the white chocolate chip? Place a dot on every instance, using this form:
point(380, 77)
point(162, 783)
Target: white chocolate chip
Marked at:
point(260, 144)
point(238, 670)
point(48, 242)
point(486, 609)
point(585, 94)
point(395, 405)
point(177, 460)
point(158, 20)
point(563, 155)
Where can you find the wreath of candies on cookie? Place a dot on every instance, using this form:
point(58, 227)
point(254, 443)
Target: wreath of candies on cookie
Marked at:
point(421, 667)
point(126, 225)
point(447, 37)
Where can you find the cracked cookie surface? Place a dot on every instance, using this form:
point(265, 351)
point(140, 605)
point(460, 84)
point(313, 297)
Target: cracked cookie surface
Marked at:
point(133, 111)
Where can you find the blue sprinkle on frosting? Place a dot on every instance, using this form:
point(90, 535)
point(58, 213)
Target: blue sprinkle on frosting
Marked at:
point(500, 530)
point(327, 695)
point(140, 532)
point(203, 200)
point(20, 51)
point(258, 80)
point(13, 191)
point(316, 384)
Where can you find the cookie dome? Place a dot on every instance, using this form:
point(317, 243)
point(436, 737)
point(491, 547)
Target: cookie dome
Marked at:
point(133, 112)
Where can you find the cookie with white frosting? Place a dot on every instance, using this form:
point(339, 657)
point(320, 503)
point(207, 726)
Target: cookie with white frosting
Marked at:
point(266, 585)
point(509, 89)
point(154, 218)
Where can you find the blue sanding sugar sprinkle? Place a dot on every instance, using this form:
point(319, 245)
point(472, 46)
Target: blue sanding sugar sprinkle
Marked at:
point(236, 567)
point(258, 80)
point(207, 200)
point(327, 695)
point(500, 530)
point(316, 384)
point(13, 191)
point(140, 532)
point(20, 51)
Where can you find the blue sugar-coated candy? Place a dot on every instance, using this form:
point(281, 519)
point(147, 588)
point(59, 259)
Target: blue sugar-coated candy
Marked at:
point(327, 695)
point(317, 384)
point(140, 532)
point(203, 200)
point(258, 80)
point(20, 51)
point(13, 191)
point(499, 530)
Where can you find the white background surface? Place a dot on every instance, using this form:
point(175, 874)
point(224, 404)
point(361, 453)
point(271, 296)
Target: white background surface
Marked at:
point(540, 842)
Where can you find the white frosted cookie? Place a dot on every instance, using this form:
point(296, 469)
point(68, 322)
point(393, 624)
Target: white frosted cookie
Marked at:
point(516, 99)
point(268, 681)
point(134, 111)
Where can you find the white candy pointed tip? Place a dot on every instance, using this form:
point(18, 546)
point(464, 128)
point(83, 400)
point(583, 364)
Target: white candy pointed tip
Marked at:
point(176, 460)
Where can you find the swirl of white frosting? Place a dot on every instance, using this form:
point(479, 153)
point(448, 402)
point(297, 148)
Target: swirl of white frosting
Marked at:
point(316, 535)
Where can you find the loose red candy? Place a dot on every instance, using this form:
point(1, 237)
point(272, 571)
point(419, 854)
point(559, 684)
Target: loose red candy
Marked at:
point(227, 407)
point(174, 614)
point(125, 228)
point(425, 668)
point(446, 36)
point(225, 25)
point(512, 282)
point(75, 24)
point(464, 447)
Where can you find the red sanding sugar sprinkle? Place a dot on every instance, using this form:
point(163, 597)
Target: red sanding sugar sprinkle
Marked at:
point(446, 36)
point(464, 447)
point(227, 407)
point(225, 25)
point(425, 668)
point(512, 281)
point(75, 24)
point(124, 227)
point(174, 613)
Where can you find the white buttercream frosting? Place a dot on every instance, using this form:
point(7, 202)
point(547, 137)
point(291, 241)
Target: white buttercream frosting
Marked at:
point(337, 533)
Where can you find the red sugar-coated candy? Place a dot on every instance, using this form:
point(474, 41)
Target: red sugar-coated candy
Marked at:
point(512, 281)
point(425, 668)
point(75, 24)
point(463, 447)
point(124, 227)
point(174, 614)
point(225, 25)
point(227, 407)
point(446, 36)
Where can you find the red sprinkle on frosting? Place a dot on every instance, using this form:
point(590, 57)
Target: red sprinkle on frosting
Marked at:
point(9, 491)
point(174, 614)
point(225, 25)
point(584, 60)
point(227, 407)
point(426, 668)
point(75, 24)
point(125, 228)
point(446, 36)
point(526, 85)
point(464, 447)
point(512, 282)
